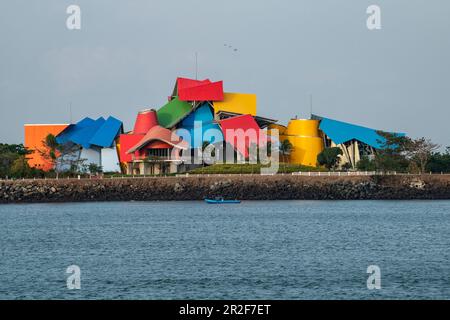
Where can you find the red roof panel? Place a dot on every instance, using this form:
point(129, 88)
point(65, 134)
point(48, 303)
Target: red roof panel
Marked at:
point(127, 141)
point(241, 132)
point(196, 90)
point(145, 120)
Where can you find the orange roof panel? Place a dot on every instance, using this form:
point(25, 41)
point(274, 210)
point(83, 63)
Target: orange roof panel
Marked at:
point(35, 134)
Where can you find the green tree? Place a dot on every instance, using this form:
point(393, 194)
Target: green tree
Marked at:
point(420, 151)
point(9, 154)
point(439, 162)
point(329, 157)
point(95, 168)
point(401, 153)
point(365, 164)
point(20, 168)
point(392, 156)
point(6, 160)
point(14, 148)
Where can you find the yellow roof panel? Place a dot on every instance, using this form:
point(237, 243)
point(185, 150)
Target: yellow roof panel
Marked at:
point(242, 103)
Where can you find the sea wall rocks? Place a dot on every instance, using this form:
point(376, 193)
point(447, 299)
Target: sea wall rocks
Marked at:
point(280, 187)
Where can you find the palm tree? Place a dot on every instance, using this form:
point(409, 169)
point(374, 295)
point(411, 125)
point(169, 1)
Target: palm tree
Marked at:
point(285, 149)
point(50, 151)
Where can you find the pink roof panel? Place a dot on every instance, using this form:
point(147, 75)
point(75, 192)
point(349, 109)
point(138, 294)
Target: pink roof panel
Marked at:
point(158, 133)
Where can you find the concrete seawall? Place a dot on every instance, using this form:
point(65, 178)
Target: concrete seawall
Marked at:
point(230, 187)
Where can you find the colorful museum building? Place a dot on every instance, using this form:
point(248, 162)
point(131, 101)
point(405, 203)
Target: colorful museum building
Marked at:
point(197, 113)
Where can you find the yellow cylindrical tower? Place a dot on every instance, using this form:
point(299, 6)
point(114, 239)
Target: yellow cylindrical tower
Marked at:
point(306, 141)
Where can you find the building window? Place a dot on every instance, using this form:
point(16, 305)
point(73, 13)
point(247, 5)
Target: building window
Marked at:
point(159, 153)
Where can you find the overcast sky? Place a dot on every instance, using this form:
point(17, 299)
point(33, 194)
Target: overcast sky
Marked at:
point(128, 54)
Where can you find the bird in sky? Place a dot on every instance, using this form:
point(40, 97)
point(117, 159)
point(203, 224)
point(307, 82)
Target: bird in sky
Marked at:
point(230, 47)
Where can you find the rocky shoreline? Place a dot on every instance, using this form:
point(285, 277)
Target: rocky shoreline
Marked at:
point(400, 187)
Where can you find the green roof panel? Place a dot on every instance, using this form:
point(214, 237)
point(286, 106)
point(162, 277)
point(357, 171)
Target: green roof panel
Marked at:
point(173, 112)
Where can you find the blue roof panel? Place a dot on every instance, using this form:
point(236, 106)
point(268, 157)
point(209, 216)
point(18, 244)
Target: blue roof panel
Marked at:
point(341, 132)
point(66, 135)
point(201, 114)
point(204, 130)
point(86, 122)
point(84, 135)
point(107, 133)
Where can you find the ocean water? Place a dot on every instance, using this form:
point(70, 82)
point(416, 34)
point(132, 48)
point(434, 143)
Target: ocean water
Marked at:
point(255, 250)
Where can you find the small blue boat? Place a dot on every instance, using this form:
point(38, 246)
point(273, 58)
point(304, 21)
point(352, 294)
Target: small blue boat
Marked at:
point(221, 201)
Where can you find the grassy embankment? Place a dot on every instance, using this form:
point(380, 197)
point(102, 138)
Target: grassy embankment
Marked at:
point(251, 169)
